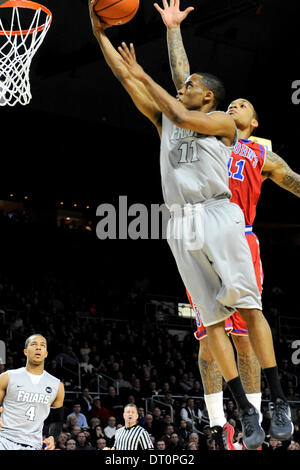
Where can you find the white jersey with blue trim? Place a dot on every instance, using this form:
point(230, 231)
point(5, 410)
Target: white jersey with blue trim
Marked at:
point(194, 167)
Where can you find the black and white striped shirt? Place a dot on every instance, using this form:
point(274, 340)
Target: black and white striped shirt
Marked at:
point(133, 438)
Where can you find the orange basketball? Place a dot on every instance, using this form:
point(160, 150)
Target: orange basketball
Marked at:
point(116, 12)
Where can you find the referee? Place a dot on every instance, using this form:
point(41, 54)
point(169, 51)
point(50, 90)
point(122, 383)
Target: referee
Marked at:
point(132, 436)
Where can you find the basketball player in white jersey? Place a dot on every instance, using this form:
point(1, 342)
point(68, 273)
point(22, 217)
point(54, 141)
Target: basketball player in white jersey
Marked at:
point(213, 259)
point(26, 396)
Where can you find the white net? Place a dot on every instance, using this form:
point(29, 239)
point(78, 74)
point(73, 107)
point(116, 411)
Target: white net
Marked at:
point(16, 53)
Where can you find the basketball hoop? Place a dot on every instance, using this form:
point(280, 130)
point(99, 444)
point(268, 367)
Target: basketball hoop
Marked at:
point(18, 44)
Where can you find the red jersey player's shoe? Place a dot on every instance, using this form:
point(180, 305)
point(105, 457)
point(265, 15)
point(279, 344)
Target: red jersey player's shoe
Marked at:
point(223, 436)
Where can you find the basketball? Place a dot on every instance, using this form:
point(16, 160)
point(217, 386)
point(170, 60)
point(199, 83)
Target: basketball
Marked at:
point(116, 12)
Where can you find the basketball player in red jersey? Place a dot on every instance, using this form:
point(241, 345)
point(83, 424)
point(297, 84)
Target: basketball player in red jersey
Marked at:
point(249, 165)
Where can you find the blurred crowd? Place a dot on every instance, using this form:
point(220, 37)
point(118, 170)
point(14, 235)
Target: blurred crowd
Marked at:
point(106, 363)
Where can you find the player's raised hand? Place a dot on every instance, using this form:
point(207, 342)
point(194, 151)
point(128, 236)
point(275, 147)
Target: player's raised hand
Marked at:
point(50, 444)
point(171, 14)
point(1, 423)
point(97, 24)
point(128, 55)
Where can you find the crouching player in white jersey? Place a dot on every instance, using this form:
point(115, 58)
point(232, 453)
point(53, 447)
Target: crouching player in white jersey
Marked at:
point(26, 396)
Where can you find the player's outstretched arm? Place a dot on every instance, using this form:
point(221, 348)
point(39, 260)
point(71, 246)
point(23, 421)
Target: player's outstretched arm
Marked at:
point(136, 90)
point(172, 18)
point(219, 124)
point(278, 171)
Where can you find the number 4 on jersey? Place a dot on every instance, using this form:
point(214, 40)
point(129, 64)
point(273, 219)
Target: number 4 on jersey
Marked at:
point(239, 165)
point(30, 413)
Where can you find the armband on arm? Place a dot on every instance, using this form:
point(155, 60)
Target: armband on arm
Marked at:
point(57, 415)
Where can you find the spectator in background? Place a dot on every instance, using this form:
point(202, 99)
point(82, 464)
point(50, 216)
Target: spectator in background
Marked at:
point(71, 444)
point(141, 413)
point(101, 444)
point(294, 446)
point(193, 442)
point(96, 434)
point(153, 389)
point(114, 403)
point(55, 369)
point(175, 388)
point(229, 409)
point(191, 414)
point(197, 389)
point(183, 433)
point(185, 384)
point(236, 417)
point(86, 401)
point(94, 422)
point(167, 436)
point(123, 384)
point(137, 389)
point(274, 444)
point(80, 418)
point(148, 425)
point(75, 430)
point(100, 411)
point(85, 349)
point(238, 440)
point(160, 445)
point(110, 430)
point(82, 442)
point(158, 425)
point(70, 423)
point(61, 441)
point(175, 445)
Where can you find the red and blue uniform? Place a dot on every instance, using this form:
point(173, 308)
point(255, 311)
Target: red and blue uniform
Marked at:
point(244, 169)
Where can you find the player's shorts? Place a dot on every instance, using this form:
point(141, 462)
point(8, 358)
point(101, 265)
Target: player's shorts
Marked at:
point(235, 323)
point(213, 258)
point(6, 444)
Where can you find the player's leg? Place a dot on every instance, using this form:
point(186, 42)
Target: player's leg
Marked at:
point(222, 431)
point(222, 350)
point(261, 339)
point(248, 364)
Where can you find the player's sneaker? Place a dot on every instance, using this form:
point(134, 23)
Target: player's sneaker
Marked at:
point(282, 426)
point(223, 436)
point(253, 434)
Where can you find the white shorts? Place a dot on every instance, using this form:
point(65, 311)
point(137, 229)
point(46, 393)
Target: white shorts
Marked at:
point(213, 258)
point(6, 444)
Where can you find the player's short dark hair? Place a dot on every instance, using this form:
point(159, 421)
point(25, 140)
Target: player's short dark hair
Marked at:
point(215, 85)
point(31, 336)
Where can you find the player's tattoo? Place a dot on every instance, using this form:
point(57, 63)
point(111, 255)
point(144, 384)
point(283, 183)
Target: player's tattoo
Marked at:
point(211, 376)
point(282, 174)
point(178, 58)
point(249, 369)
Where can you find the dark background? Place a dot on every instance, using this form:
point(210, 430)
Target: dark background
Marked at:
point(81, 139)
